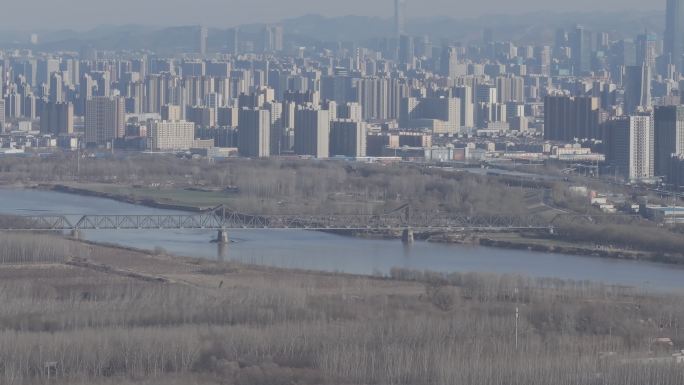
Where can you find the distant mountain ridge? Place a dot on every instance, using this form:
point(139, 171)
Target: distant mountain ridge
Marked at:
point(534, 28)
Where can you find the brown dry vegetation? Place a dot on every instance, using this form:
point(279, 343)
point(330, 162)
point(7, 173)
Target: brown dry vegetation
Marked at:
point(217, 323)
point(290, 186)
point(272, 186)
point(643, 237)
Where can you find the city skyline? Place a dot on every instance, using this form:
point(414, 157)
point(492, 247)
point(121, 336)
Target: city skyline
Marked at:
point(315, 192)
point(269, 91)
point(49, 15)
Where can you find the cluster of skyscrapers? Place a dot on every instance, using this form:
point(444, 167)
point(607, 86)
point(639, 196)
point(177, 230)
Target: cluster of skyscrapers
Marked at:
point(632, 111)
point(266, 94)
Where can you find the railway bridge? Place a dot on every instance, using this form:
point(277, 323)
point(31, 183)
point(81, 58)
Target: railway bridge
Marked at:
point(222, 220)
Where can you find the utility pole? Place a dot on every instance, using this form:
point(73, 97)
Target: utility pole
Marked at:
point(673, 202)
point(517, 316)
point(78, 161)
point(598, 171)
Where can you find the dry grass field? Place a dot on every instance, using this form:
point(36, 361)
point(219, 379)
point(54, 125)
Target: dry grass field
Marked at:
point(102, 315)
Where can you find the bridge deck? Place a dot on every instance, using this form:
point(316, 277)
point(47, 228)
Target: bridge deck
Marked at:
point(221, 220)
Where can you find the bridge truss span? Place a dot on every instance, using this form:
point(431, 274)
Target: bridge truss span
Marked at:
point(222, 219)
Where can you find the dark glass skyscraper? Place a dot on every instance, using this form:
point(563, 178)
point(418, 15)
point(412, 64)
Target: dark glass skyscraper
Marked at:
point(582, 50)
point(399, 17)
point(669, 136)
point(637, 84)
point(674, 32)
point(568, 118)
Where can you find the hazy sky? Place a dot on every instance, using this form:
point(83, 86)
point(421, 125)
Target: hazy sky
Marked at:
point(81, 14)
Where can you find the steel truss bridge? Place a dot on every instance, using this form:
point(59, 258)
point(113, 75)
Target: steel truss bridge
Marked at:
point(222, 219)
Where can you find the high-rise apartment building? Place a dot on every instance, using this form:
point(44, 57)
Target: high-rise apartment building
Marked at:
point(254, 135)
point(193, 68)
point(351, 111)
point(347, 138)
point(302, 97)
point(213, 100)
point(177, 135)
point(102, 80)
point(629, 142)
point(28, 107)
point(105, 119)
point(45, 68)
point(227, 116)
point(2, 115)
point(543, 58)
point(57, 118)
point(218, 69)
point(675, 175)
point(56, 88)
point(13, 105)
point(440, 115)
point(312, 132)
point(373, 95)
point(85, 93)
point(423, 47)
point(465, 95)
point(449, 62)
point(486, 93)
point(275, 110)
point(514, 110)
point(153, 94)
point(171, 113)
point(201, 116)
point(510, 89)
point(487, 114)
point(272, 36)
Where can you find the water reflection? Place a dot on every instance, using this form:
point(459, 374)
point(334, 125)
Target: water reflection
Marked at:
point(222, 251)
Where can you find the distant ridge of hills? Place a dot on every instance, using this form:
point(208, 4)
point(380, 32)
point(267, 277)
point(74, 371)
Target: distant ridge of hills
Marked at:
point(536, 27)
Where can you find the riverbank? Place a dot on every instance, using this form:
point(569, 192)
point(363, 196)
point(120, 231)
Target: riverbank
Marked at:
point(543, 243)
point(131, 199)
point(523, 240)
point(320, 251)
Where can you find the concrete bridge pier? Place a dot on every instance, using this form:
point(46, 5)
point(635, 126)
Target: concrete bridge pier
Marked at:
point(222, 237)
point(75, 234)
point(407, 236)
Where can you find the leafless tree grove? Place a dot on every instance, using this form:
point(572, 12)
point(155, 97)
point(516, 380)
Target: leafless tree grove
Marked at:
point(286, 185)
point(409, 328)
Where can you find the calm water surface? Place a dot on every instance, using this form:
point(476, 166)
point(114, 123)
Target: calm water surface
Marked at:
point(327, 252)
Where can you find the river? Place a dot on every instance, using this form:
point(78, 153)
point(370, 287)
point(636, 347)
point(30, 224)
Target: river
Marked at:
point(333, 253)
